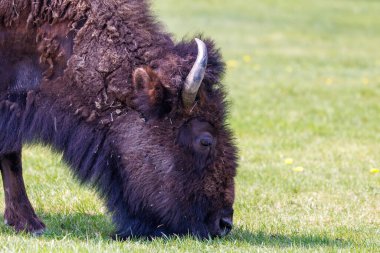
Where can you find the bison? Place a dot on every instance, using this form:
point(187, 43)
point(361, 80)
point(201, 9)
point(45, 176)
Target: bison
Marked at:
point(136, 115)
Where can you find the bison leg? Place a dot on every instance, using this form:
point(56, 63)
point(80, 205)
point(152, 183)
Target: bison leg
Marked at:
point(19, 213)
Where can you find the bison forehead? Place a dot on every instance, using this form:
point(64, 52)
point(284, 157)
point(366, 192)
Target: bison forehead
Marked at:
point(136, 138)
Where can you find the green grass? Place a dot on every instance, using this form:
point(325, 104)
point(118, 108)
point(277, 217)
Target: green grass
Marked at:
point(304, 83)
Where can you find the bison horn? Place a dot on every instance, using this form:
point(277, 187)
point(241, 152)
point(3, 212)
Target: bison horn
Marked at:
point(196, 75)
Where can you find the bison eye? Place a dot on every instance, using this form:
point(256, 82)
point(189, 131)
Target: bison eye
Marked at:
point(206, 140)
point(198, 135)
point(203, 143)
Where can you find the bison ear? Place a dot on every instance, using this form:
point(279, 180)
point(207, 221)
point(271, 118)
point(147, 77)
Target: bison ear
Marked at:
point(149, 93)
point(141, 78)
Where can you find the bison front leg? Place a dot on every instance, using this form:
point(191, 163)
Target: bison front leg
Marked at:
point(19, 213)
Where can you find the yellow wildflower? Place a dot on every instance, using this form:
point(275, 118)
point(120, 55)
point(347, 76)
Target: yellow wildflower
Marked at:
point(374, 171)
point(328, 81)
point(247, 58)
point(365, 81)
point(288, 161)
point(298, 169)
point(232, 64)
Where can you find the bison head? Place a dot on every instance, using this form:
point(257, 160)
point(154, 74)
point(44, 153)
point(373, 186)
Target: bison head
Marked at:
point(178, 155)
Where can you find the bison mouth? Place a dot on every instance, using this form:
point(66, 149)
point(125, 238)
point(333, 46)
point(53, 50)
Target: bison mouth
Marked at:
point(220, 224)
point(216, 224)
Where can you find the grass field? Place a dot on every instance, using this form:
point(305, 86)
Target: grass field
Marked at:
point(304, 84)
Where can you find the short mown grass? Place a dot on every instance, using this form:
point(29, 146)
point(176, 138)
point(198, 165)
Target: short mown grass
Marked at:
point(304, 86)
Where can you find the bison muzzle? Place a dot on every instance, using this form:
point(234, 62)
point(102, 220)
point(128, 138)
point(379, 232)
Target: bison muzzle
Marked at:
point(136, 115)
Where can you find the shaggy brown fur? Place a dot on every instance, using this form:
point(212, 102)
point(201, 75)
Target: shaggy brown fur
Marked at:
point(101, 81)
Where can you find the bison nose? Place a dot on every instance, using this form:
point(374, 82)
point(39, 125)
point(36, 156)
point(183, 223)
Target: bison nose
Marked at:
point(225, 226)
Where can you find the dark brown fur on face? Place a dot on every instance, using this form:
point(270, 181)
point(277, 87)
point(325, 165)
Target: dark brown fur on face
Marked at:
point(101, 81)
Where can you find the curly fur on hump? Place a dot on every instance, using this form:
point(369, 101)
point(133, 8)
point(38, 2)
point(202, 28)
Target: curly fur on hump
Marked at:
point(67, 80)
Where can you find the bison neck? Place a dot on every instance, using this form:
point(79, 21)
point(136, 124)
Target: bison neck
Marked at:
point(24, 118)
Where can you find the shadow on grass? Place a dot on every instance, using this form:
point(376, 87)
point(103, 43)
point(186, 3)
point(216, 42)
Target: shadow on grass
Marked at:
point(283, 241)
point(87, 227)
